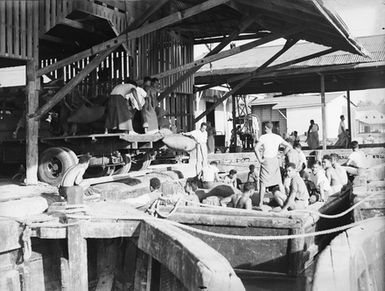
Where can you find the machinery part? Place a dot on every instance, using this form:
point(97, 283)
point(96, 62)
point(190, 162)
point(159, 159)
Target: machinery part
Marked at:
point(54, 162)
point(124, 169)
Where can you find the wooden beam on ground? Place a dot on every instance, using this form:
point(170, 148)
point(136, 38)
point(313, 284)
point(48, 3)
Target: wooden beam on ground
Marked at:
point(72, 83)
point(156, 25)
point(289, 44)
point(228, 53)
point(194, 263)
point(244, 25)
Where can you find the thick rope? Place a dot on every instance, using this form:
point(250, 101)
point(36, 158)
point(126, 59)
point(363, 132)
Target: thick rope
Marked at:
point(272, 237)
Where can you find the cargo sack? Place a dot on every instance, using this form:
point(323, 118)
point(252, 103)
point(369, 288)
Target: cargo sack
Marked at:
point(87, 114)
point(179, 142)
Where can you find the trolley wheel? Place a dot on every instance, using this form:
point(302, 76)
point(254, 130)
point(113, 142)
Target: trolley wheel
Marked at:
point(141, 162)
point(54, 162)
point(72, 154)
point(126, 167)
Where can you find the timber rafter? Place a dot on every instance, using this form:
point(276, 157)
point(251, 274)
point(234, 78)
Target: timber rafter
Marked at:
point(246, 78)
point(156, 25)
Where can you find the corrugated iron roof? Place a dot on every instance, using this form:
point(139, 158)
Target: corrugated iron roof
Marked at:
point(253, 58)
point(297, 101)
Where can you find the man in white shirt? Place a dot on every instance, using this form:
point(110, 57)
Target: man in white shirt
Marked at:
point(209, 175)
point(270, 174)
point(356, 160)
point(200, 136)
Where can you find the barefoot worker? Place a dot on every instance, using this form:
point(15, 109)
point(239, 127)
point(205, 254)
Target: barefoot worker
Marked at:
point(200, 136)
point(270, 174)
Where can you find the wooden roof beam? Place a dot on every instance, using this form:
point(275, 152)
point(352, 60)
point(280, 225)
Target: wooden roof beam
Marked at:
point(81, 26)
point(230, 52)
point(114, 42)
point(56, 39)
point(240, 37)
point(72, 83)
point(244, 24)
point(289, 43)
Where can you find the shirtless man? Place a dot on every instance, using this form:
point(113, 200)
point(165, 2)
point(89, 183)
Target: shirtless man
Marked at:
point(334, 179)
point(297, 196)
point(242, 200)
point(320, 184)
point(270, 174)
point(341, 172)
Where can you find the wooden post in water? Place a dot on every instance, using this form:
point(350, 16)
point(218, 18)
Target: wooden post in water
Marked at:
point(77, 255)
point(323, 109)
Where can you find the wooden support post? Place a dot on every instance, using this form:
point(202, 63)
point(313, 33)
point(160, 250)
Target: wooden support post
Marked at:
point(234, 120)
point(349, 115)
point(323, 111)
point(72, 83)
point(156, 25)
point(246, 23)
point(33, 87)
point(77, 259)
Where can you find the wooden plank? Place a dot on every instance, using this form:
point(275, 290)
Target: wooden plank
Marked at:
point(128, 228)
point(72, 83)
point(77, 259)
point(10, 27)
point(16, 23)
point(23, 29)
point(195, 264)
point(3, 39)
point(29, 30)
point(47, 15)
point(141, 279)
point(244, 24)
point(10, 233)
point(156, 25)
point(53, 12)
point(105, 283)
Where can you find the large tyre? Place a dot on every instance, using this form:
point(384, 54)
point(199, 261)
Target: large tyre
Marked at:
point(54, 162)
point(126, 167)
point(72, 154)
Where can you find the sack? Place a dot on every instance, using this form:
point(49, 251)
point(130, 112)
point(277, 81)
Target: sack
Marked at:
point(179, 142)
point(87, 114)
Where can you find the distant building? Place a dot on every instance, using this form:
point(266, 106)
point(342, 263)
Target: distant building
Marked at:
point(370, 121)
point(294, 112)
point(221, 117)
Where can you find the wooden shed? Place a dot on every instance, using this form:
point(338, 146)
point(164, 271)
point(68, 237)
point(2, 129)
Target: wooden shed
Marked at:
point(76, 40)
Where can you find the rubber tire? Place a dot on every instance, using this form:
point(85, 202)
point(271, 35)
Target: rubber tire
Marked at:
point(72, 154)
point(126, 168)
point(62, 156)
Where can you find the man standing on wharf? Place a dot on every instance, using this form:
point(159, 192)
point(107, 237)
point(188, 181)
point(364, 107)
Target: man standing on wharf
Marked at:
point(270, 174)
point(200, 136)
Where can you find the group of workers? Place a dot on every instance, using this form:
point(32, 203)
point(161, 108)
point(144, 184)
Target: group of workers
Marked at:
point(128, 98)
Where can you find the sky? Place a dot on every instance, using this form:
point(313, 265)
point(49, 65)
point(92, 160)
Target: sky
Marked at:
point(362, 17)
